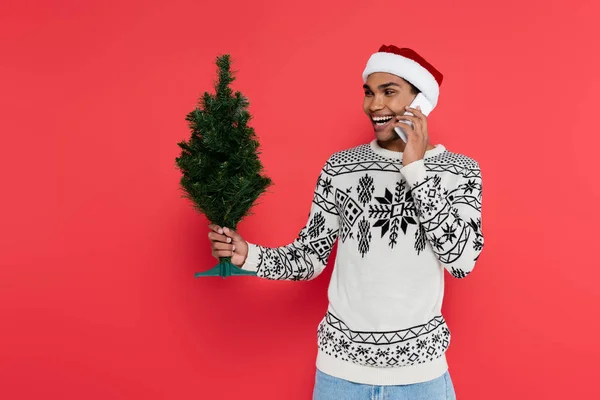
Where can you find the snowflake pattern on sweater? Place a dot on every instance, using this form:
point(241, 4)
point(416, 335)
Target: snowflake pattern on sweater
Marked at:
point(448, 218)
point(380, 211)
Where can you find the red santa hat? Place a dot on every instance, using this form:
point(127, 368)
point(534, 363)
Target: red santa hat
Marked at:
point(409, 65)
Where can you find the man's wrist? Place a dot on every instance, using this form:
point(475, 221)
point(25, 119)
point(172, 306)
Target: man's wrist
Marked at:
point(252, 258)
point(414, 171)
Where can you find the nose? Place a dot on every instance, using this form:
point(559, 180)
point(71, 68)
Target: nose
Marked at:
point(376, 104)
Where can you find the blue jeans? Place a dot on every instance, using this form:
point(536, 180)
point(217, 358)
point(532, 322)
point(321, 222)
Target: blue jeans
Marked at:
point(328, 387)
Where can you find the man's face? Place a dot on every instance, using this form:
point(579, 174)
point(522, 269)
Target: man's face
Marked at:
point(386, 95)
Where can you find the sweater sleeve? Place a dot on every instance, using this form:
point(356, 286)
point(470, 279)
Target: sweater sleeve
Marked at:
point(449, 216)
point(306, 257)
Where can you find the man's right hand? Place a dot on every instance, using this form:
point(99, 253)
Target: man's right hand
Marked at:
point(228, 243)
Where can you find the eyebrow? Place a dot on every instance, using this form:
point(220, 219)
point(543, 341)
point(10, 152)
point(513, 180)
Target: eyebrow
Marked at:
point(382, 86)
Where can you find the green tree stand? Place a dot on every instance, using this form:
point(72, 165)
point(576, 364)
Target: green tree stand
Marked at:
point(220, 165)
point(224, 269)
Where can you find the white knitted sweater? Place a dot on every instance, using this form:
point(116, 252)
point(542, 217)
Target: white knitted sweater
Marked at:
point(397, 228)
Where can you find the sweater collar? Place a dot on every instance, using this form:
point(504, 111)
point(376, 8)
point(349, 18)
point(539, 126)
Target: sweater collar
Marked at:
point(397, 155)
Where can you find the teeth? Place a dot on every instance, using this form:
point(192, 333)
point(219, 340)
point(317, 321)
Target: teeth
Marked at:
point(382, 119)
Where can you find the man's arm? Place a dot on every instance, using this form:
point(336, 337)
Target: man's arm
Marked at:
point(306, 257)
point(450, 217)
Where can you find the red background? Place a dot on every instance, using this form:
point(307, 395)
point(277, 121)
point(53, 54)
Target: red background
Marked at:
point(98, 249)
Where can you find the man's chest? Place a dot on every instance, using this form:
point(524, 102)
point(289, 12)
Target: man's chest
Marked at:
point(376, 206)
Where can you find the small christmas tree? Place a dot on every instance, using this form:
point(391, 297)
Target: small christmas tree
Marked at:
point(222, 174)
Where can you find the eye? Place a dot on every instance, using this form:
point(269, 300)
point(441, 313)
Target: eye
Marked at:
point(368, 93)
point(389, 92)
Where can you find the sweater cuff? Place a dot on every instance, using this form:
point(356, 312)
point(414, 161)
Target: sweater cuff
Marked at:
point(252, 260)
point(414, 172)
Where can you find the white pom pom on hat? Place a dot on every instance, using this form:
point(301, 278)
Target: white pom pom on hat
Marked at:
point(409, 65)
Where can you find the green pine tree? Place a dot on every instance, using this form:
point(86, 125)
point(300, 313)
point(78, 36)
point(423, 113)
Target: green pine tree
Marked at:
point(222, 173)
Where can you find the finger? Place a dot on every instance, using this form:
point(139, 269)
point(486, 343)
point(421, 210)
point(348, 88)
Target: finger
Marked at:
point(416, 111)
point(407, 117)
point(222, 253)
point(216, 228)
point(405, 127)
point(215, 237)
point(416, 122)
point(232, 234)
point(223, 246)
point(419, 114)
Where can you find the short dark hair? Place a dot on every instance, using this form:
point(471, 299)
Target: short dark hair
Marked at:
point(413, 88)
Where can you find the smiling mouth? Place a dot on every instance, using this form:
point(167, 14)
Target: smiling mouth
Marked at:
point(381, 121)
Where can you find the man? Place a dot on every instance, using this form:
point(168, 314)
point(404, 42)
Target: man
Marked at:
point(402, 213)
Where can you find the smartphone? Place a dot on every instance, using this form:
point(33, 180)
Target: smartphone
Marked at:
point(426, 107)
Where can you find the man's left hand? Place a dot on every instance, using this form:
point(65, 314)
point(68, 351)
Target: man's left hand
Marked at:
point(417, 137)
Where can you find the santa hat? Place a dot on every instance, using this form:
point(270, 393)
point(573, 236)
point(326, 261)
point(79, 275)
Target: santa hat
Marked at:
point(409, 65)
